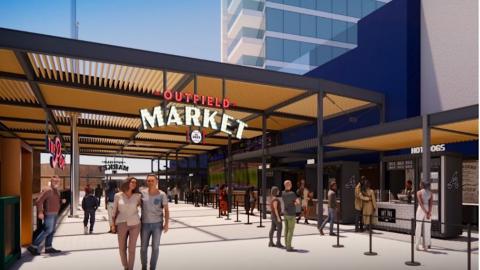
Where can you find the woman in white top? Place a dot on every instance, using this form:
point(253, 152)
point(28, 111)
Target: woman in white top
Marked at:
point(424, 213)
point(127, 220)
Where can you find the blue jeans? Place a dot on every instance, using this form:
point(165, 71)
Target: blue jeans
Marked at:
point(47, 232)
point(331, 218)
point(155, 231)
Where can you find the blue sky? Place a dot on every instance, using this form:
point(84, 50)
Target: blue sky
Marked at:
point(183, 27)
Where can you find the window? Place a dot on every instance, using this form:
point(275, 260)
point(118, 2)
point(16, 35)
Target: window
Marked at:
point(324, 28)
point(307, 54)
point(276, 1)
point(352, 33)
point(339, 7)
point(380, 4)
point(324, 54)
point(291, 50)
point(274, 49)
point(339, 31)
point(251, 60)
point(368, 6)
point(324, 5)
point(338, 51)
point(308, 25)
point(310, 4)
point(272, 68)
point(274, 20)
point(291, 23)
point(295, 3)
point(354, 8)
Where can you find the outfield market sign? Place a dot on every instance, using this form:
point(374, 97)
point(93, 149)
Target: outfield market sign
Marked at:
point(191, 116)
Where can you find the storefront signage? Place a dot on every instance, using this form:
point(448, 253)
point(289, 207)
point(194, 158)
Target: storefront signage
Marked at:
point(433, 148)
point(386, 215)
point(470, 181)
point(54, 147)
point(196, 136)
point(114, 166)
point(400, 165)
point(192, 116)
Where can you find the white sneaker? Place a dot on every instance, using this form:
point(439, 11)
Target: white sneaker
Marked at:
point(85, 230)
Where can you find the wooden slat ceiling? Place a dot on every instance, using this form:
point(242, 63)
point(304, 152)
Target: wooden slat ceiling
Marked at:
point(413, 138)
point(107, 98)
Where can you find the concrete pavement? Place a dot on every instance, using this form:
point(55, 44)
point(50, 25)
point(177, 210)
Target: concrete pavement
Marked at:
point(197, 239)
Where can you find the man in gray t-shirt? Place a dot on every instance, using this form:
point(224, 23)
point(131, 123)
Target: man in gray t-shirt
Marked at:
point(155, 216)
point(290, 200)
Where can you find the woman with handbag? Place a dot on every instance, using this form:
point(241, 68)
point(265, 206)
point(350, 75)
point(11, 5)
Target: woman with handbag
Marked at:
point(127, 220)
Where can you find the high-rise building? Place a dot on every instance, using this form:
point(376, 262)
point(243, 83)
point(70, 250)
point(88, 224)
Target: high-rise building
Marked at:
point(290, 35)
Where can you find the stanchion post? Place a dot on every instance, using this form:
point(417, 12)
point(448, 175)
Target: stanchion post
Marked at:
point(469, 246)
point(412, 261)
point(237, 212)
point(260, 210)
point(338, 236)
point(248, 218)
point(228, 215)
point(370, 252)
point(219, 213)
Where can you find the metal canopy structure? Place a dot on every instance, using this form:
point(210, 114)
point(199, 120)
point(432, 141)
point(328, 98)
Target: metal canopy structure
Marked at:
point(458, 125)
point(46, 79)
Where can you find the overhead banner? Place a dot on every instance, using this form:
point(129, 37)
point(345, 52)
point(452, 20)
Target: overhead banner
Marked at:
point(191, 116)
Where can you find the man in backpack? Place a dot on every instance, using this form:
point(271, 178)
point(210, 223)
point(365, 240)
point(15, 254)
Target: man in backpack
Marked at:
point(89, 206)
point(109, 198)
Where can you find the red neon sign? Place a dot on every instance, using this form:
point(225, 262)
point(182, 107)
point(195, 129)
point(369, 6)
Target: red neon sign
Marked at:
point(202, 100)
point(55, 149)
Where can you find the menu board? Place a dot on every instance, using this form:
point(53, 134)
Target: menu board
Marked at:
point(470, 181)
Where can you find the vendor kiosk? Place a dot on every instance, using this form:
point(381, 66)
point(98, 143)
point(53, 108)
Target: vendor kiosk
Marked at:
point(396, 207)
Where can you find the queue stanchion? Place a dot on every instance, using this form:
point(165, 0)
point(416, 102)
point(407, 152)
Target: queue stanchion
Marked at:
point(248, 218)
point(412, 261)
point(338, 236)
point(228, 215)
point(260, 210)
point(370, 252)
point(219, 213)
point(237, 213)
point(469, 246)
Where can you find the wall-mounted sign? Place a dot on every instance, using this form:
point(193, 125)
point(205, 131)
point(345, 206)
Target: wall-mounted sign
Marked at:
point(54, 147)
point(114, 166)
point(433, 148)
point(192, 116)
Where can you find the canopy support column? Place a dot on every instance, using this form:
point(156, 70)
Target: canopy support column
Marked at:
point(264, 167)
point(229, 172)
point(74, 166)
point(319, 163)
point(426, 149)
point(176, 169)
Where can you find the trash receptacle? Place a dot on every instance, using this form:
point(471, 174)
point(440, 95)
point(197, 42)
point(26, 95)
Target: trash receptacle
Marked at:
point(9, 231)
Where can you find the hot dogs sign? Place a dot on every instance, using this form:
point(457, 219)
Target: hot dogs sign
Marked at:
point(191, 116)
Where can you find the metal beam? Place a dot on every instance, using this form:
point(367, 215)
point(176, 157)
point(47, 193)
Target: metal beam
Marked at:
point(426, 149)
point(455, 131)
point(27, 68)
point(264, 167)
point(319, 161)
point(25, 41)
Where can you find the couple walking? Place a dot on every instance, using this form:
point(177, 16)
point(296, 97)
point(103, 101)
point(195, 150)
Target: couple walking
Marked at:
point(127, 223)
point(290, 202)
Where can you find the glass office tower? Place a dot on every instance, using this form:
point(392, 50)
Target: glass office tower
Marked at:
point(290, 35)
